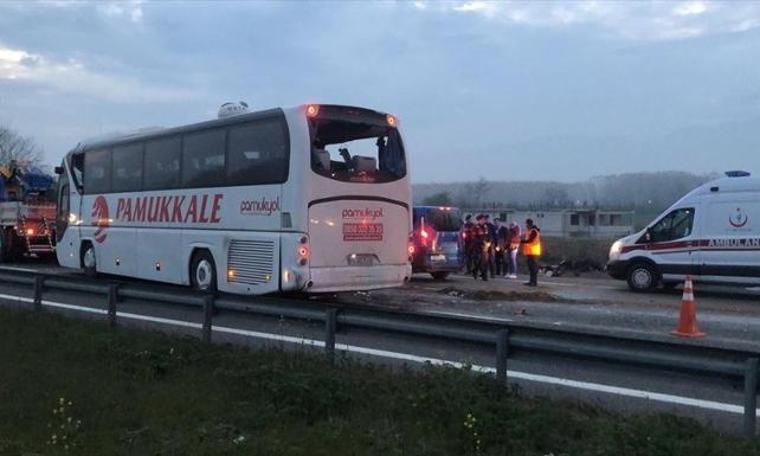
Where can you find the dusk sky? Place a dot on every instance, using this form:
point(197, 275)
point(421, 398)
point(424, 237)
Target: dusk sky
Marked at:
point(507, 91)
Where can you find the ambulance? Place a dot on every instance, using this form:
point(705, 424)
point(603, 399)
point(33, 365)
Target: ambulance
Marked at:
point(711, 234)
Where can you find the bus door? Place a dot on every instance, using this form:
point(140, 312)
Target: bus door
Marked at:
point(62, 205)
point(68, 211)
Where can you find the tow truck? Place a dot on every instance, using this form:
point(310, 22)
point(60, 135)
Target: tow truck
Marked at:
point(27, 212)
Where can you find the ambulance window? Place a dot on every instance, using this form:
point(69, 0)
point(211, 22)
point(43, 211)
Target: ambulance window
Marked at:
point(676, 225)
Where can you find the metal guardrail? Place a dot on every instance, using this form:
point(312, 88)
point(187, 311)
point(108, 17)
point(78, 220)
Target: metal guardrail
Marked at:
point(506, 337)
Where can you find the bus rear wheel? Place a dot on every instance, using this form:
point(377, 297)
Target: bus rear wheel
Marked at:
point(203, 271)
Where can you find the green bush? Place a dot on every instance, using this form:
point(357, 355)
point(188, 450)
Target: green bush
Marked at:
point(142, 393)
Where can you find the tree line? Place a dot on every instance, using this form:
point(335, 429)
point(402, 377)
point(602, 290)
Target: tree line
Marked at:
point(650, 191)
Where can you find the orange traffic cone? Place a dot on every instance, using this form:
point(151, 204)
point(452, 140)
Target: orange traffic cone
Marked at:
point(687, 323)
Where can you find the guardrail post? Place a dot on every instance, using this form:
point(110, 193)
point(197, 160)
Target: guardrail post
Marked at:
point(330, 328)
point(208, 314)
point(502, 353)
point(750, 397)
point(113, 297)
point(39, 284)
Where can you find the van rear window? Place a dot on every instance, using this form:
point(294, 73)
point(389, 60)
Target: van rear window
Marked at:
point(442, 220)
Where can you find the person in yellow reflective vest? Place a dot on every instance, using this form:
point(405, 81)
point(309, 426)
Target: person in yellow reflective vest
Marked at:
point(531, 250)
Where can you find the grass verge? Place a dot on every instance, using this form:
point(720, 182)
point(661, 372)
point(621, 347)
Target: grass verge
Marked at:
point(142, 393)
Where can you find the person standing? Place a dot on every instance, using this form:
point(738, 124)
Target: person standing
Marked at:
point(492, 235)
point(481, 248)
point(500, 249)
point(468, 233)
point(513, 245)
point(532, 250)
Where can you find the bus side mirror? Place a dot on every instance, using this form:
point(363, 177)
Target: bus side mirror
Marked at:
point(58, 170)
point(648, 235)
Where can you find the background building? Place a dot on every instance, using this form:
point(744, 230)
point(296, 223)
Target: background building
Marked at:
point(568, 222)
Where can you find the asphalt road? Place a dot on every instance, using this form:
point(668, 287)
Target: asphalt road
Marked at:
point(729, 316)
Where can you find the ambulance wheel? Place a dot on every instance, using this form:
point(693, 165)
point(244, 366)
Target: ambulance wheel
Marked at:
point(89, 260)
point(642, 277)
point(203, 271)
point(439, 275)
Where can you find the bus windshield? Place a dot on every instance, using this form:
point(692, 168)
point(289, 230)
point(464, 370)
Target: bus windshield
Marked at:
point(356, 152)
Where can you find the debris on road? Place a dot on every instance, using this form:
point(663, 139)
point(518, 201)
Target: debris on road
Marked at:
point(496, 295)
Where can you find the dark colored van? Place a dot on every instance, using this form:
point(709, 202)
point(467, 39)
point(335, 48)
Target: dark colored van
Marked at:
point(437, 240)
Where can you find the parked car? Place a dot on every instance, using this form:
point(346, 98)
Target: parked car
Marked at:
point(437, 240)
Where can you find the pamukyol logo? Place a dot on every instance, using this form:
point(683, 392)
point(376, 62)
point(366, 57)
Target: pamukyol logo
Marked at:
point(260, 207)
point(100, 218)
point(739, 218)
point(363, 213)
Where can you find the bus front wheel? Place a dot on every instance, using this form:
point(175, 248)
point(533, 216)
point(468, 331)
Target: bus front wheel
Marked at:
point(203, 271)
point(89, 260)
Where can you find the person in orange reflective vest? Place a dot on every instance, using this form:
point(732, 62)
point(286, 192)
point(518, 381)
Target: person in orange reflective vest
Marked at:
point(531, 250)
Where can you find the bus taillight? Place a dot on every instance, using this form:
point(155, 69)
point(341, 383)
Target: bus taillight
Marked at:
point(303, 255)
point(312, 110)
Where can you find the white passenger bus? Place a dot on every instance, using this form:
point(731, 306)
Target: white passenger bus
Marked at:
point(314, 198)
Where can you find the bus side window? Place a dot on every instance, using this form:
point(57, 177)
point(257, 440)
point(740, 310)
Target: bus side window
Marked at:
point(127, 168)
point(258, 153)
point(162, 158)
point(97, 171)
point(203, 159)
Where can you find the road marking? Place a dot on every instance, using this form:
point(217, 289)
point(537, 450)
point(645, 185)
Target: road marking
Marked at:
point(560, 284)
point(537, 378)
point(15, 268)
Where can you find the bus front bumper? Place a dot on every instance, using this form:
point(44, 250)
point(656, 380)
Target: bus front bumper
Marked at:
point(355, 278)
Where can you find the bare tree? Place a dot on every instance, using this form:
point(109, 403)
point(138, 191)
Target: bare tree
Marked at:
point(18, 148)
point(480, 189)
point(438, 199)
point(555, 197)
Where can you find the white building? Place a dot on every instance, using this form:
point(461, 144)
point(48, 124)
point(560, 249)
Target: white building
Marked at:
point(568, 222)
